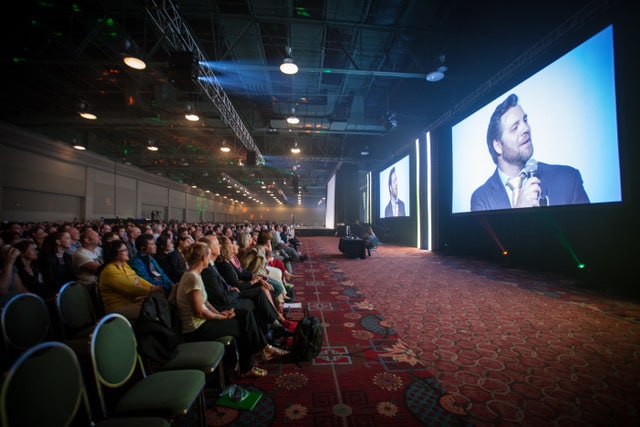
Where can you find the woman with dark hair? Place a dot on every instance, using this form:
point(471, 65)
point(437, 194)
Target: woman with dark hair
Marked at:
point(10, 283)
point(29, 270)
point(121, 289)
point(55, 260)
point(170, 260)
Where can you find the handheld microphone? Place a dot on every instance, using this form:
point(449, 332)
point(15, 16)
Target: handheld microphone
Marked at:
point(531, 167)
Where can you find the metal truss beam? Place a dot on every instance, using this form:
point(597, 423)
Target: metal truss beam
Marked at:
point(169, 21)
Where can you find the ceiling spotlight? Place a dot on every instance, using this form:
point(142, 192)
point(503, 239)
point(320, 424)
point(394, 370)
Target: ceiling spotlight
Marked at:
point(131, 60)
point(295, 149)
point(224, 147)
point(134, 62)
point(293, 119)
point(78, 145)
point(288, 66)
point(438, 74)
point(84, 110)
point(365, 151)
point(151, 146)
point(390, 120)
point(191, 115)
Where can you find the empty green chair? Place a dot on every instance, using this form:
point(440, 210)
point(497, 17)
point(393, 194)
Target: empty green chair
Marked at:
point(115, 359)
point(76, 311)
point(25, 322)
point(45, 387)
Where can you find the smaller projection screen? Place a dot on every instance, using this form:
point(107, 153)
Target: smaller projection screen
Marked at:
point(557, 130)
point(395, 189)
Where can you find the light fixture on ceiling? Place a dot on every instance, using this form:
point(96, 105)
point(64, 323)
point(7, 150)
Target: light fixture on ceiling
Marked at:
point(365, 151)
point(130, 59)
point(151, 146)
point(293, 119)
point(78, 145)
point(84, 110)
point(295, 149)
point(438, 74)
point(288, 66)
point(224, 148)
point(390, 120)
point(191, 114)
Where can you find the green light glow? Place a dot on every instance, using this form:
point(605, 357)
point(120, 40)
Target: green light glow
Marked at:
point(301, 11)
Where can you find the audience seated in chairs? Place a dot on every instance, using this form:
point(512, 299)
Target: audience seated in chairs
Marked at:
point(55, 262)
point(85, 259)
point(10, 283)
point(251, 287)
point(28, 268)
point(255, 260)
point(121, 289)
point(146, 266)
point(201, 321)
point(169, 259)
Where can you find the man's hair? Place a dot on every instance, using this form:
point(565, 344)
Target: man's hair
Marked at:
point(142, 241)
point(85, 234)
point(393, 171)
point(494, 131)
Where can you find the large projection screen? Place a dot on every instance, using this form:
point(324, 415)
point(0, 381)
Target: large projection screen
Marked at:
point(398, 177)
point(571, 111)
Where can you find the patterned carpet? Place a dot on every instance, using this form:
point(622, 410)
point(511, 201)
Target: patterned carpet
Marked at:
point(415, 339)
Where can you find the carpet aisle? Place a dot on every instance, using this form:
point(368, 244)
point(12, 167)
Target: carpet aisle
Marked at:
point(417, 339)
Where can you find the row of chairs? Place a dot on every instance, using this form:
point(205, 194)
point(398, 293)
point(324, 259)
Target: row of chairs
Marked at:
point(40, 367)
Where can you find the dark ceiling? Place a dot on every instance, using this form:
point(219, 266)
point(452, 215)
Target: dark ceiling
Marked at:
point(361, 82)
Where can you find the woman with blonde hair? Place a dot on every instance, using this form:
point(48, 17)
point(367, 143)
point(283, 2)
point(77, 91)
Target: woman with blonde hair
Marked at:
point(248, 285)
point(201, 321)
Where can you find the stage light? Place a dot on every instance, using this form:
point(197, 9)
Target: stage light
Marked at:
point(151, 146)
point(293, 119)
point(224, 148)
point(295, 149)
point(131, 59)
point(288, 66)
point(85, 111)
point(190, 114)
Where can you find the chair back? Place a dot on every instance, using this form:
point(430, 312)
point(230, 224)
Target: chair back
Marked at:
point(25, 323)
point(76, 311)
point(114, 355)
point(44, 387)
point(96, 298)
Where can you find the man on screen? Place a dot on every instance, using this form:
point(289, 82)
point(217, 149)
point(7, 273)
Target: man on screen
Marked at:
point(520, 181)
point(395, 207)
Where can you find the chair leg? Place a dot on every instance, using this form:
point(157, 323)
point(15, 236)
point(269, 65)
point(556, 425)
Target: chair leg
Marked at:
point(203, 409)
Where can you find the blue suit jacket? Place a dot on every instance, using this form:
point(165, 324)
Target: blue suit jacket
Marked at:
point(561, 184)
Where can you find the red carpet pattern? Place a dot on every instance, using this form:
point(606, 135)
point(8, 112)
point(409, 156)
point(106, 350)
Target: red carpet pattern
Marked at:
point(364, 376)
point(510, 347)
point(413, 338)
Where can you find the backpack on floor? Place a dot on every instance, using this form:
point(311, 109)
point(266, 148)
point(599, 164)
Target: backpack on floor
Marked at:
point(307, 339)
